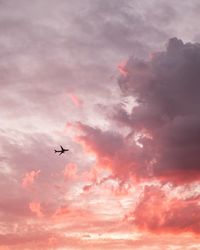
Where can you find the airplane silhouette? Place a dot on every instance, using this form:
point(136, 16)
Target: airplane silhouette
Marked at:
point(62, 151)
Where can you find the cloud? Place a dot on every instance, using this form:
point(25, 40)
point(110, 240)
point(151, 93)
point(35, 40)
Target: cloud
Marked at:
point(70, 171)
point(14, 209)
point(71, 212)
point(35, 207)
point(76, 100)
point(166, 90)
point(156, 212)
point(29, 178)
point(50, 49)
point(113, 152)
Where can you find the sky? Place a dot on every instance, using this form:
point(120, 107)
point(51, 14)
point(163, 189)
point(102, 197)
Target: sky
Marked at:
point(117, 83)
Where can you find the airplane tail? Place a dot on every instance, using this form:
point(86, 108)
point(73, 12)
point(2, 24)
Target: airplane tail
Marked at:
point(55, 151)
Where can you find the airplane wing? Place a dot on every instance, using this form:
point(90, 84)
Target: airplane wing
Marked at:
point(61, 147)
point(61, 153)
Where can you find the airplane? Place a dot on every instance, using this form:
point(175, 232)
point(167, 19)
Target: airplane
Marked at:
point(62, 151)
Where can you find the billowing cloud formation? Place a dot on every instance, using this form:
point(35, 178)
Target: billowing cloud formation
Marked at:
point(158, 213)
point(113, 152)
point(167, 91)
point(164, 125)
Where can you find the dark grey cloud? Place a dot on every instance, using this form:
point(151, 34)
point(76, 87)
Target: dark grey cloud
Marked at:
point(167, 89)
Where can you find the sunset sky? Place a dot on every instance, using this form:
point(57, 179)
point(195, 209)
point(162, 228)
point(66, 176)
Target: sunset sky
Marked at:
point(118, 83)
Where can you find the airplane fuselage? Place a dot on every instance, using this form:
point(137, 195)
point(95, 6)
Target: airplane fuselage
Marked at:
point(62, 151)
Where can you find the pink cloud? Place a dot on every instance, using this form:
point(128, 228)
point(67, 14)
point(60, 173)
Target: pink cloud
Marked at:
point(87, 188)
point(35, 207)
point(122, 68)
point(70, 171)
point(70, 211)
point(113, 152)
point(29, 178)
point(76, 100)
point(156, 212)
